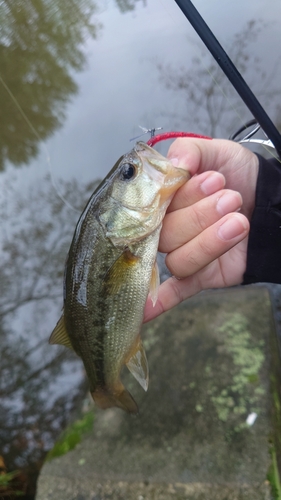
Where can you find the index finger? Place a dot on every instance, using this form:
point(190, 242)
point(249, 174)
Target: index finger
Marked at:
point(197, 188)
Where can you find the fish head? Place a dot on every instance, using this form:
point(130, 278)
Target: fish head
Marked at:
point(144, 174)
point(142, 187)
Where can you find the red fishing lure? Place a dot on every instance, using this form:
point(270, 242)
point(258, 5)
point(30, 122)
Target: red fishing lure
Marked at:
point(173, 135)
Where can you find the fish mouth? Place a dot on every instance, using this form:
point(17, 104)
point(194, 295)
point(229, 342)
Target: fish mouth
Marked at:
point(160, 169)
point(173, 181)
point(155, 159)
point(142, 146)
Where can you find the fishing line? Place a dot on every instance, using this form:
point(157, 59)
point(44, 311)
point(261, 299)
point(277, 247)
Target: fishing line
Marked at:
point(261, 143)
point(231, 72)
point(234, 109)
point(247, 138)
point(60, 195)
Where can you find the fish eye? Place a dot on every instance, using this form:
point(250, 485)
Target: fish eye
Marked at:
point(128, 171)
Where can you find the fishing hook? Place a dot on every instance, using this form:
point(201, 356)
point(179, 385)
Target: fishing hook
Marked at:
point(146, 131)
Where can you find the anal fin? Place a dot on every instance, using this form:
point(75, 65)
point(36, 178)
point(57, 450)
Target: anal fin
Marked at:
point(154, 284)
point(138, 366)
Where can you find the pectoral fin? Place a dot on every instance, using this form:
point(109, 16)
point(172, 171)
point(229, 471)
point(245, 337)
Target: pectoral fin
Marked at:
point(138, 365)
point(59, 334)
point(154, 284)
point(120, 271)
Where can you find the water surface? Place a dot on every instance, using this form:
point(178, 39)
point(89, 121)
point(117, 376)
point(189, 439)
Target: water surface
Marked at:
point(77, 80)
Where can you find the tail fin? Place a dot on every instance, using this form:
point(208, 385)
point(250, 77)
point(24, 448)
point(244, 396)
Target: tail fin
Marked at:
point(123, 399)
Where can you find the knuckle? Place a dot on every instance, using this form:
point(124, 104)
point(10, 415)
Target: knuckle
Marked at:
point(177, 290)
point(205, 247)
point(182, 265)
point(200, 218)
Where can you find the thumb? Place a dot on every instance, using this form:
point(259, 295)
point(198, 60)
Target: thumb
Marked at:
point(200, 155)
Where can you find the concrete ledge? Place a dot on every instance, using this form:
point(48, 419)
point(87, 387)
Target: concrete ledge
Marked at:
point(65, 489)
point(210, 367)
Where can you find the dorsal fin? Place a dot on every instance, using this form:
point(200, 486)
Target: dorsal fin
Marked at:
point(59, 334)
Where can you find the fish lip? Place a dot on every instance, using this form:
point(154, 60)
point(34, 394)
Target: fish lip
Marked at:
point(159, 163)
point(152, 157)
point(149, 153)
point(142, 146)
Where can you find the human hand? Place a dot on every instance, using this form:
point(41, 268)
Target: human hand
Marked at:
point(203, 235)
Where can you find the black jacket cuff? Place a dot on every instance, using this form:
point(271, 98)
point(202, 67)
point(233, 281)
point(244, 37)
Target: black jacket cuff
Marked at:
point(264, 246)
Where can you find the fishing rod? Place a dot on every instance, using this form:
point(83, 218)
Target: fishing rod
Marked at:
point(231, 72)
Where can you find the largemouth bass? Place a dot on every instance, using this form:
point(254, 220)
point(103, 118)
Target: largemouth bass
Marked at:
point(110, 269)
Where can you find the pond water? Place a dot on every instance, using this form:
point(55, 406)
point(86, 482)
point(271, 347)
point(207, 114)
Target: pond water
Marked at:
point(77, 78)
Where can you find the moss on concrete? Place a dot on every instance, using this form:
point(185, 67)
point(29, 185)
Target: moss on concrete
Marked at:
point(210, 364)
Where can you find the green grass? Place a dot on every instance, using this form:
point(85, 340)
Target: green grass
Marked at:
point(72, 436)
point(6, 486)
point(273, 476)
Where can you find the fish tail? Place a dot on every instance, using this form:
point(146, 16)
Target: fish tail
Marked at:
point(123, 399)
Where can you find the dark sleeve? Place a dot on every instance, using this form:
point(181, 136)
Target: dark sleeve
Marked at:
point(264, 247)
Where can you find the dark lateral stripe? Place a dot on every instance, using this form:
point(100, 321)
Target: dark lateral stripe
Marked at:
point(98, 350)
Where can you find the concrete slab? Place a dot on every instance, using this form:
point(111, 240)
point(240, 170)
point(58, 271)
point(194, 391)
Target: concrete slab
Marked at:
point(205, 423)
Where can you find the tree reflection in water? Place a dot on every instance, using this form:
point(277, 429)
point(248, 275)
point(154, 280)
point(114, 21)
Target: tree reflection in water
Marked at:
point(40, 43)
point(39, 385)
point(208, 102)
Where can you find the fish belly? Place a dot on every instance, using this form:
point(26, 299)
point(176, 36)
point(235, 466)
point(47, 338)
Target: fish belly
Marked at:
point(105, 320)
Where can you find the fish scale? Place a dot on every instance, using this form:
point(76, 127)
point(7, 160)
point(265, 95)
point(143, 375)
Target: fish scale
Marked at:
point(110, 269)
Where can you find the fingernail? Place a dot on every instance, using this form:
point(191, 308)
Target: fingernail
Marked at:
point(174, 161)
point(229, 202)
point(231, 228)
point(210, 185)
